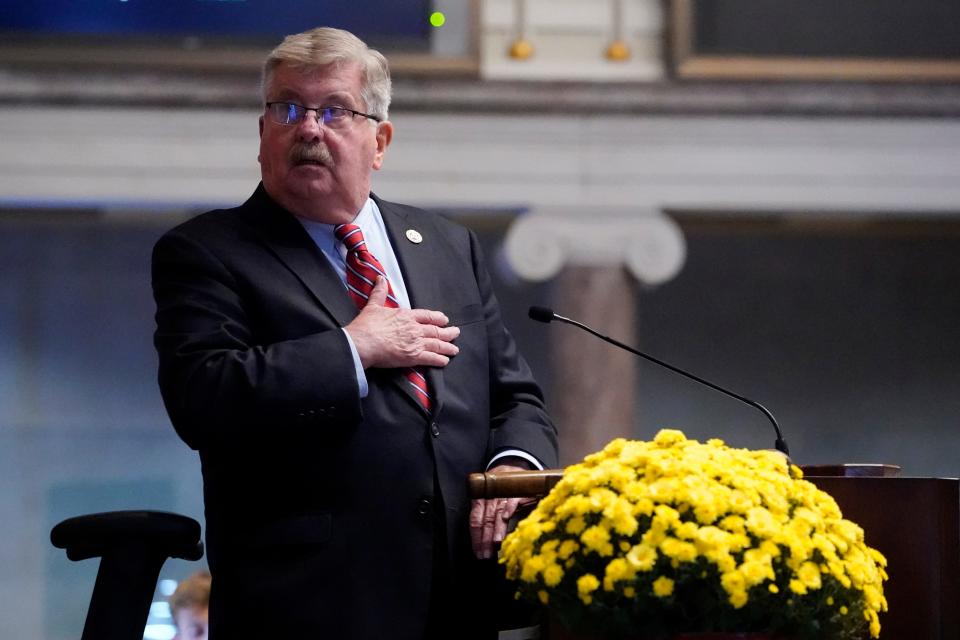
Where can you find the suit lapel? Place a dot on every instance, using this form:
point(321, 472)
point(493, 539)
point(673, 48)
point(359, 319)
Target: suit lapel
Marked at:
point(418, 265)
point(291, 244)
point(417, 259)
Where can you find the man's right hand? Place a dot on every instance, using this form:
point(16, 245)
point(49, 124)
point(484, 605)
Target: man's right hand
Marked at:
point(389, 337)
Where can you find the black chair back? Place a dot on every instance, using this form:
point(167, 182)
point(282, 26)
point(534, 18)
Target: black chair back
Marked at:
point(132, 545)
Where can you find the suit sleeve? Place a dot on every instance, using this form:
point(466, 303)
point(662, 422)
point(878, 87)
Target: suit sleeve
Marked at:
point(218, 380)
point(518, 417)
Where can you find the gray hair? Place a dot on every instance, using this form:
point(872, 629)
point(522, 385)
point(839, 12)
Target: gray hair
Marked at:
point(325, 45)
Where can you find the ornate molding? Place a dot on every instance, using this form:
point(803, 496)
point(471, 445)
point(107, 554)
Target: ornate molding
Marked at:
point(133, 88)
point(649, 244)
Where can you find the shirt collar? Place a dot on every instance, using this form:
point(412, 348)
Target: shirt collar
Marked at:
point(322, 233)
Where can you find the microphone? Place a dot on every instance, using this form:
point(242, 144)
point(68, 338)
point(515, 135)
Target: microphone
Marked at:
point(544, 314)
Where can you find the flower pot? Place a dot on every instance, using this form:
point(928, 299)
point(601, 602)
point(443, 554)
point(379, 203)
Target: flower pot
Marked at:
point(722, 635)
point(557, 632)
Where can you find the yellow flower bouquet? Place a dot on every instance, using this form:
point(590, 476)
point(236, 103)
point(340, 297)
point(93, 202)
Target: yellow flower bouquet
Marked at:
point(650, 539)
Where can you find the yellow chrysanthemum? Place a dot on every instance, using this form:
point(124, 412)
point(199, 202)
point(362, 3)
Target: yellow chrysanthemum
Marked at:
point(678, 550)
point(552, 575)
point(586, 585)
point(576, 525)
point(747, 518)
point(686, 530)
point(756, 571)
point(663, 587)
point(532, 568)
point(733, 582)
point(669, 437)
point(620, 513)
point(733, 524)
point(617, 570)
point(739, 599)
point(597, 539)
point(762, 523)
point(809, 575)
point(642, 557)
point(567, 548)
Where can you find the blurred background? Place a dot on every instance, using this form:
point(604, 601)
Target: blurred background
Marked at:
point(765, 193)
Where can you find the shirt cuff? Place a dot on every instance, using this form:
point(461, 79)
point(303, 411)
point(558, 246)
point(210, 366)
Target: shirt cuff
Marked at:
point(358, 366)
point(515, 453)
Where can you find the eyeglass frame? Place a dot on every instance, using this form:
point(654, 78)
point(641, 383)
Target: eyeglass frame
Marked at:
point(318, 110)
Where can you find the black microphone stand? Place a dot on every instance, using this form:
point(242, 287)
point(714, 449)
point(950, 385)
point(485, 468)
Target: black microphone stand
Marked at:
point(542, 314)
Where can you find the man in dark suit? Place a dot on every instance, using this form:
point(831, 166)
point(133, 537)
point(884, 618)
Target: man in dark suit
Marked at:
point(340, 392)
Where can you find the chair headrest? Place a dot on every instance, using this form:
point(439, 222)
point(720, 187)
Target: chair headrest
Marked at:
point(96, 534)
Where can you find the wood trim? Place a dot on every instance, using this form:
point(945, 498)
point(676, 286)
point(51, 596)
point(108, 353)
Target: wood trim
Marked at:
point(224, 60)
point(749, 68)
point(680, 30)
point(686, 63)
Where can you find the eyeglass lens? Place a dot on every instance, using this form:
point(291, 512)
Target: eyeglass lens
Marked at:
point(289, 113)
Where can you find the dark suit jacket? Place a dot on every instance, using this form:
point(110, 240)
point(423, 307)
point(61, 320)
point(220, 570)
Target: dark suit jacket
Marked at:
point(322, 508)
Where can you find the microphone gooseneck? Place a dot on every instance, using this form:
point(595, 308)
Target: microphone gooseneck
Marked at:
point(541, 314)
point(544, 314)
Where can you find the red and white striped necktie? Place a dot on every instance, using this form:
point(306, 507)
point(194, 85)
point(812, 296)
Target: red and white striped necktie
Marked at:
point(362, 271)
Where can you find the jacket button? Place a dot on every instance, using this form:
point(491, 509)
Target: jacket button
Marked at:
point(423, 506)
point(434, 429)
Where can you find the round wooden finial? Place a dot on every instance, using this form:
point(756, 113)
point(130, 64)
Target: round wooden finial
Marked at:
point(521, 50)
point(618, 51)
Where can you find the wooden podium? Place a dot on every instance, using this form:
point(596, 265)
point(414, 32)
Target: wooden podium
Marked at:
point(914, 522)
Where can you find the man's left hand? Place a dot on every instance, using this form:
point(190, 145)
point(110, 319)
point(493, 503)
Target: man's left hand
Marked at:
point(489, 516)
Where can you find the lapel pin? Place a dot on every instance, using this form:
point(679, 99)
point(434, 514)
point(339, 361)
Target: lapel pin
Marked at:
point(414, 236)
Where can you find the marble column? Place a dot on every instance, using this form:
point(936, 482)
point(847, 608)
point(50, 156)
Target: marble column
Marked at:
point(599, 261)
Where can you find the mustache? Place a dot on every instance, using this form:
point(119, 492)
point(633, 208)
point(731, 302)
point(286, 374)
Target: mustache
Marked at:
point(302, 152)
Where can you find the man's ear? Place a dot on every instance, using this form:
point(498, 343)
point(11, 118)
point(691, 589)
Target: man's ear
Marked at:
point(261, 135)
point(384, 136)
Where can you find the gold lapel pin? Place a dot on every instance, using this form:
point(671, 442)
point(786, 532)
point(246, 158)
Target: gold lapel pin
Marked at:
point(414, 236)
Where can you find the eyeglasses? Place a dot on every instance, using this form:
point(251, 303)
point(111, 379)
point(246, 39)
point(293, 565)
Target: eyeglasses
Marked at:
point(333, 117)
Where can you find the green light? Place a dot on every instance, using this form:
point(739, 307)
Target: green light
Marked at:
point(437, 19)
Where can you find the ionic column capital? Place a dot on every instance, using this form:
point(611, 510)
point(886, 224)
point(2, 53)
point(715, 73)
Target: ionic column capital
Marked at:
point(648, 243)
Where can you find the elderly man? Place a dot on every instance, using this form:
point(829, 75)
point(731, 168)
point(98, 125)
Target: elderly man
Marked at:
point(340, 364)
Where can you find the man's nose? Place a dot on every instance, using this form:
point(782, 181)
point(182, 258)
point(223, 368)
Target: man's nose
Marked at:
point(309, 128)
